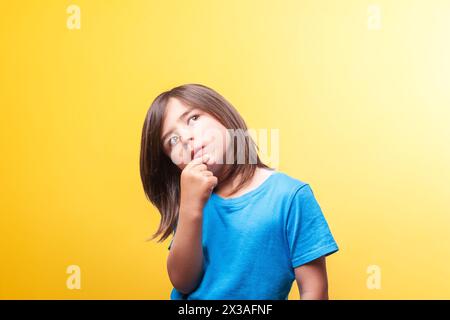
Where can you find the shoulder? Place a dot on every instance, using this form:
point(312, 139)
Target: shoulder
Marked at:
point(288, 186)
point(287, 183)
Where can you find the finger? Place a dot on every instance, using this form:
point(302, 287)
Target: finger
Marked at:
point(194, 163)
point(200, 167)
point(199, 160)
point(211, 160)
point(207, 173)
point(212, 181)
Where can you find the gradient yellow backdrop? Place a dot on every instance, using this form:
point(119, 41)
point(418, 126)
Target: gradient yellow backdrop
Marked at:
point(363, 115)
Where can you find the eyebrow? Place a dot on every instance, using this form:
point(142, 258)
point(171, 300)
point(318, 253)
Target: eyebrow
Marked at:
point(183, 115)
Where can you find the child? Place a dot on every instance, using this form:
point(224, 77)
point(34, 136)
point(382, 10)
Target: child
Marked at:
point(241, 230)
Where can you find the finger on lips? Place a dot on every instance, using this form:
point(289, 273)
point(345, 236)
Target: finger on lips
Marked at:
point(199, 160)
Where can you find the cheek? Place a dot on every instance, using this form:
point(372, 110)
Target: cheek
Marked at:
point(207, 130)
point(179, 156)
point(218, 146)
point(223, 141)
point(213, 134)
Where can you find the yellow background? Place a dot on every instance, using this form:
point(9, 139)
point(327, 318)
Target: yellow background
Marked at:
point(363, 117)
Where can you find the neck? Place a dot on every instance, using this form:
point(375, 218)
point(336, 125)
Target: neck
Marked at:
point(225, 189)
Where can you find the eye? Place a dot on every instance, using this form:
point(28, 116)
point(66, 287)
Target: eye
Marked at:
point(194, 118)
point(173, 141)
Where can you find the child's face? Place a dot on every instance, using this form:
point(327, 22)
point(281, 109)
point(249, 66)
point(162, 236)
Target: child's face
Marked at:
point(190, 133)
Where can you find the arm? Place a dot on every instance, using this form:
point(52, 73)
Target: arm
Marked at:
point(312, 280)
point(185, 261)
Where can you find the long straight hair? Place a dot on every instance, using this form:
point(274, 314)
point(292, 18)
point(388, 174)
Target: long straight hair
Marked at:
point(161, 177)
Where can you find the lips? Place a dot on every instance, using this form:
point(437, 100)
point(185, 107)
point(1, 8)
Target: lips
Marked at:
point(197, 152)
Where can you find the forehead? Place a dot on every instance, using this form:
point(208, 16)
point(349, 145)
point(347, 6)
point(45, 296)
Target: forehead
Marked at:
point(176, 106)
point(174, 109)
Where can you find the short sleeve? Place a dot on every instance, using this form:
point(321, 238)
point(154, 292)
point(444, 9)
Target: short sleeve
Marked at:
point(308, 234)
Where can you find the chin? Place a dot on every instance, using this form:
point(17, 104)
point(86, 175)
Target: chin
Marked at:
point(214, 167)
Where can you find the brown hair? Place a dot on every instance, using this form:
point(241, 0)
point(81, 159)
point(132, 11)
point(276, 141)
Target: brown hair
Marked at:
point(160, 176)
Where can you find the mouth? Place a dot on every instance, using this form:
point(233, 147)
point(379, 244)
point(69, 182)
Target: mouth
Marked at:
point(195, 153)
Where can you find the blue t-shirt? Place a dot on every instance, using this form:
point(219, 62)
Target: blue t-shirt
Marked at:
point(252, 243)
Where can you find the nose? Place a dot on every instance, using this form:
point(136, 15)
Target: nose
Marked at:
point(187, 138)
point(191, 139)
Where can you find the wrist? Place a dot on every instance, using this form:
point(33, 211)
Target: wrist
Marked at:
point(193, 211)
